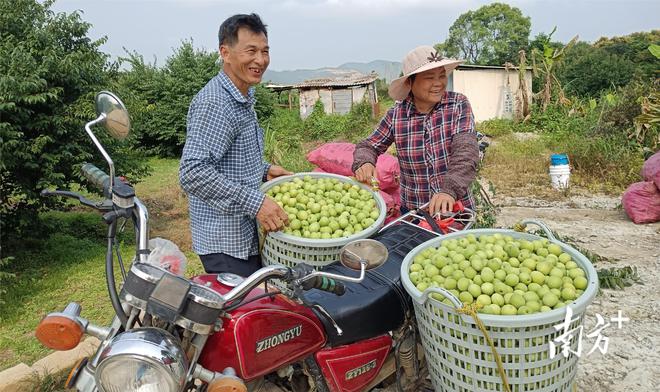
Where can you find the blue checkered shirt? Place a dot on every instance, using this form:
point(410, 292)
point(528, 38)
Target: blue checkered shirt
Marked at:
point(222, 168)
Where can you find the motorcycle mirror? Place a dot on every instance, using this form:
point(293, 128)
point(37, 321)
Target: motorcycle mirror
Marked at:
point(372, 252)
point(117, 121)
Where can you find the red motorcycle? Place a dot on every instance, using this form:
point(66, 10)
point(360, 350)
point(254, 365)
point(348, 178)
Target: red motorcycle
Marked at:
point(330, 331)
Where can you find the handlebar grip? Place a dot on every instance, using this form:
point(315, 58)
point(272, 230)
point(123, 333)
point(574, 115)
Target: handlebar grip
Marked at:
point(96, 177)
point(326, 284)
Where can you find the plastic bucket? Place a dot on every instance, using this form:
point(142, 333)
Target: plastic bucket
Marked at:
point(558, 159)
point(560, 171)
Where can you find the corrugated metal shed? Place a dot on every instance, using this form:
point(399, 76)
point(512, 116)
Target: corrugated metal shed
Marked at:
point(356, 80)
point(337, 94)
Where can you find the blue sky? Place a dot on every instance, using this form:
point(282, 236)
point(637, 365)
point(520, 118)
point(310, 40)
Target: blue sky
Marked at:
point(319, 33)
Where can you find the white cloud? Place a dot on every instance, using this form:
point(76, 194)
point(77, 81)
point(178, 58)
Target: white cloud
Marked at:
point(369, 8)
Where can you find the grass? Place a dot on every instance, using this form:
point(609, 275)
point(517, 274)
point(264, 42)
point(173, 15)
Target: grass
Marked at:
point(516, 166)
point(69, 264)
point(517, 162)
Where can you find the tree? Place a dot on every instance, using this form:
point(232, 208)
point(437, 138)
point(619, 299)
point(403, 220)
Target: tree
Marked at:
point(491, 35)
point(49, 73)
point(588, 70)
point(633, 47)
point(164, 95)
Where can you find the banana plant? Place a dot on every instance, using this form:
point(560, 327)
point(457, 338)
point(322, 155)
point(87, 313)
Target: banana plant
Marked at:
point(545, 63)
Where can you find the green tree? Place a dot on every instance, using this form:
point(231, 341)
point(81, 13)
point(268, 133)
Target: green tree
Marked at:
point(491, 35)
point(164, 95)
point(633, 47)
point(49, 73)
point(587, 70)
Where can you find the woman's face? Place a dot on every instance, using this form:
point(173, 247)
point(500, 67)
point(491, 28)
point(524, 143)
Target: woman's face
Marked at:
point(429, 87)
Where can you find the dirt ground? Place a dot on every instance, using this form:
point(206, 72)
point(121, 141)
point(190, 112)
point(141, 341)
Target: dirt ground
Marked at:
point(599, 225)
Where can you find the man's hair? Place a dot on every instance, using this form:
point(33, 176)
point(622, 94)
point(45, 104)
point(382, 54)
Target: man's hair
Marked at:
point(228, 33)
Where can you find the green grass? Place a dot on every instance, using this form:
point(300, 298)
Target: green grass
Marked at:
point(51, 272)
point(519, 157)
point(69, 264)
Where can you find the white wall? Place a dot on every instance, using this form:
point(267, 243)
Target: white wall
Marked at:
point(486, 89)
point(358, 93)
point(307, 100)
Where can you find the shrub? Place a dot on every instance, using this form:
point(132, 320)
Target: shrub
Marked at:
point(49, 73)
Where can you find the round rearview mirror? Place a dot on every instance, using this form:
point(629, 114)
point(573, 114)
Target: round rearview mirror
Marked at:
point(116, 120)
point(372, 252)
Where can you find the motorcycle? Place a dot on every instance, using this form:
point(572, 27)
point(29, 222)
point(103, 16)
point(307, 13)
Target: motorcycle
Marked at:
point(330, 331)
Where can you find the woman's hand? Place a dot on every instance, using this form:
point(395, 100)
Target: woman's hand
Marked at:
point(441, 202)
point(365, 173)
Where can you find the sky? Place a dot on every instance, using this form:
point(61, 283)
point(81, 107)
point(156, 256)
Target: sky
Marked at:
point(309, 34)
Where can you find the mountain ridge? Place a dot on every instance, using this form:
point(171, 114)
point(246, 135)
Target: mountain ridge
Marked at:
point(385, 69)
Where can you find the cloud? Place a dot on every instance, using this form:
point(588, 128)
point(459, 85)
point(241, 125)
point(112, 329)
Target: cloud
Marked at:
point(368, 8)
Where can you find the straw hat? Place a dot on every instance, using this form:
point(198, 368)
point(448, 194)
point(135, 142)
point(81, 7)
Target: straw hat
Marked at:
point(420, 59)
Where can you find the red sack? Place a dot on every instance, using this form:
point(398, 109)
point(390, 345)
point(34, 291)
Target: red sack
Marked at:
point(337, 158)
point(387, 171)
point(318, 170)
point(396, 196)
point(334, 158)
point(395, 211)
point(641, 201)
point(651, 169)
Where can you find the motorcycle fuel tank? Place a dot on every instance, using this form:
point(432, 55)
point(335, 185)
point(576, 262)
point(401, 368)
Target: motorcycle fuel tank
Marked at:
point(260, 336)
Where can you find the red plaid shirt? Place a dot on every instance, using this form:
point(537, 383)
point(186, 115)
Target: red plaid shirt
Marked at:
point(432, 157)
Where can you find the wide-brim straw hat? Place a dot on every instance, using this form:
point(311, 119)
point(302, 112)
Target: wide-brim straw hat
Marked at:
point(420, 59)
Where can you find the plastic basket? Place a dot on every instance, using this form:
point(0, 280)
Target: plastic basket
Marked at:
point(460, 359)
point(282, 248)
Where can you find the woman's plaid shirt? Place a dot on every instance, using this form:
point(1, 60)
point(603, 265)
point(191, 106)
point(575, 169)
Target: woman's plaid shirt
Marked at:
point(437, 151)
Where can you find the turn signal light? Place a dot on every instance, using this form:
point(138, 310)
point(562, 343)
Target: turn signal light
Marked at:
point(73, 375)
point(227, 384)
point(59, 333)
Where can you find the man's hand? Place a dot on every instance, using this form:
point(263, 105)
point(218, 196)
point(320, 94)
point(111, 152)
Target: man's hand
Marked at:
point(365, 173)
point(275, 171)
point(441, 202)
point(271, 216)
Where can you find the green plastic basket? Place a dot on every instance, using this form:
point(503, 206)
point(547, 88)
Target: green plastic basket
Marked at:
point(460, 359)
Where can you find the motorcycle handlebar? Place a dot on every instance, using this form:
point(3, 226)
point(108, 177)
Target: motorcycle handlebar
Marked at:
point(326, 284)
point(101, 180)
point(97, 177)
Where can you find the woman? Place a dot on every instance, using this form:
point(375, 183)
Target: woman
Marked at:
point(433, 130)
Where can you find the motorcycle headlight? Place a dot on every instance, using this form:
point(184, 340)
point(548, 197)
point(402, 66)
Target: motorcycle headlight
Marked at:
point(142, 360)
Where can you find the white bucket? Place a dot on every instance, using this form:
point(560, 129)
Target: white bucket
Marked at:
point(560, 176)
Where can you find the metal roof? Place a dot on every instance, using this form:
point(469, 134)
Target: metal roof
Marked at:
point(355, 80)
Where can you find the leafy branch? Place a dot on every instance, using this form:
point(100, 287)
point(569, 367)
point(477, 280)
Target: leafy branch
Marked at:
point(618, 278)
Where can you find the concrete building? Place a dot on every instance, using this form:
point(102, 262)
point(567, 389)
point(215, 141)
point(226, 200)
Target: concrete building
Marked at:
point(493, 91)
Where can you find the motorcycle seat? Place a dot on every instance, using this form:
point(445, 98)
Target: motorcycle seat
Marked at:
point(379, 303)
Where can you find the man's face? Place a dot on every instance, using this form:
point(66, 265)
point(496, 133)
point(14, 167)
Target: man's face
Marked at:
point(429, 86)
point(246, 61)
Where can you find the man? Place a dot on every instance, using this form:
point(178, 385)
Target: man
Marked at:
point(222, 165)
point(433, 130)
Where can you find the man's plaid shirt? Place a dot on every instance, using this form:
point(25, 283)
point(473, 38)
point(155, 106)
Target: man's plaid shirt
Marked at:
point(437, 151)
point(222, 168)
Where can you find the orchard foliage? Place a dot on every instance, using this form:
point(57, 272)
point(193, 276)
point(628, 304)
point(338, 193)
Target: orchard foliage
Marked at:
point(49, 74)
